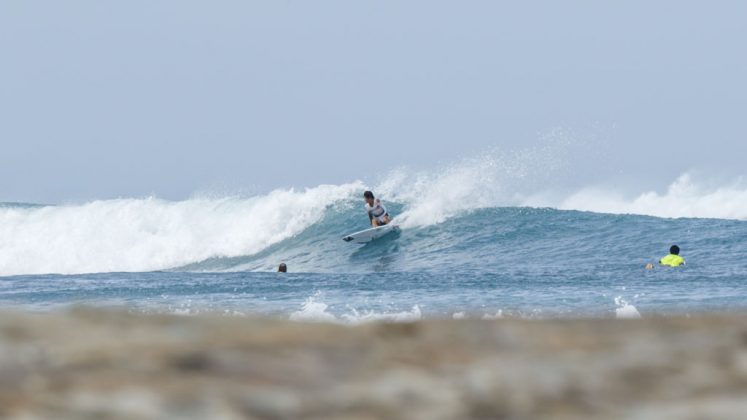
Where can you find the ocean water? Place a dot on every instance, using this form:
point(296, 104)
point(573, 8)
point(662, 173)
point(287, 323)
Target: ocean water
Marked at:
point(466, 249)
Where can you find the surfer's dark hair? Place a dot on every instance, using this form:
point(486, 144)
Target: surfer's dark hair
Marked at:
point(674, 250)
point(368, 194)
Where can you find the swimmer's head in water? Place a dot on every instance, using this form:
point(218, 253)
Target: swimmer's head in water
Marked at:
point(674, 250)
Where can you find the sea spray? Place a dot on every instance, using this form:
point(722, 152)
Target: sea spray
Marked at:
point(493, 179)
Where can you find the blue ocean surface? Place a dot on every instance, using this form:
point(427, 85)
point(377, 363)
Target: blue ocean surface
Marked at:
point(220, 256)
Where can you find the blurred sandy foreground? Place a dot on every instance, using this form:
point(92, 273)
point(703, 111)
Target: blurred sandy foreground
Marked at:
point(88, 364)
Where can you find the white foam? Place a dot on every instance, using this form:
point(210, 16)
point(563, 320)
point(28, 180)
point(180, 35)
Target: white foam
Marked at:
point(314, 310)
point(685, 197)
point(497, 315)
point(356, 317)
point(152, 234)
point(625, 310)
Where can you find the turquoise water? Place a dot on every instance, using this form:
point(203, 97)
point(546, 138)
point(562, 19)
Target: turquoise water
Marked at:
point(482, 262)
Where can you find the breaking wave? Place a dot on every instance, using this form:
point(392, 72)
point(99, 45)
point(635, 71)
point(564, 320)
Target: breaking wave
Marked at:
point(252, 233)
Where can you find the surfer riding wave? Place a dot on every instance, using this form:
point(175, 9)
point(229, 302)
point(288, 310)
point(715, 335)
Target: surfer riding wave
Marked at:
point(379, 218)
point(377, 213)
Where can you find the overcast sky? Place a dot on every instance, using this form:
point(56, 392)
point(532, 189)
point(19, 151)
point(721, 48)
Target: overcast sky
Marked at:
point(108, 99)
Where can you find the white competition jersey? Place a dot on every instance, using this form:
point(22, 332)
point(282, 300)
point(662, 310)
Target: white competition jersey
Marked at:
point(378, 211)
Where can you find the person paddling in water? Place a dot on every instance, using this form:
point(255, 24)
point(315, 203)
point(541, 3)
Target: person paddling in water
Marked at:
point(671, 260)
point(377, 213)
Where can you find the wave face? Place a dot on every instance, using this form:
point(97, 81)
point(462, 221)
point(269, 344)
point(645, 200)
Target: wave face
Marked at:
point(481, 214)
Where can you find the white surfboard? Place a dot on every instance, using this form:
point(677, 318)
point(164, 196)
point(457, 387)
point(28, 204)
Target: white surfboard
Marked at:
point(369, 235)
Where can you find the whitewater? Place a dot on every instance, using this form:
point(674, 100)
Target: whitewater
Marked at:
point(477, 240)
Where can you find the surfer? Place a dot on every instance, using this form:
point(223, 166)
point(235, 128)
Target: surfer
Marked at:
point(377, 213)
point(671, 260)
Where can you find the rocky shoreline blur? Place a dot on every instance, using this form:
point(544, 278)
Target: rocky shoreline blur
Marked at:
point(92, 364)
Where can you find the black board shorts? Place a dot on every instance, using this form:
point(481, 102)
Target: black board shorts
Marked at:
point(383, 223)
